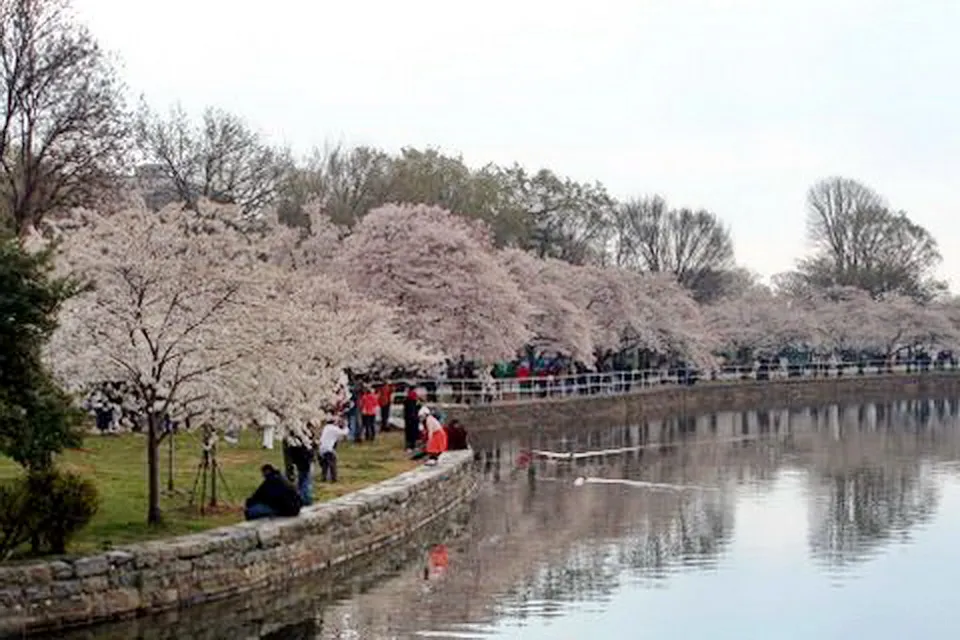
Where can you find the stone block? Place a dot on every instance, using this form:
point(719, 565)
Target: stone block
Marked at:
point(61, 570)
point(192, 546)
point(11, 597)
point(236, 539)
point(119, 558)
point(36, 594)
point(95, 584)
point(91, 566)
point(66, 588)
point(14, 575)
point(125, 578)
point(268, 535)
point(116, 602)
point(160, 598)
point(68, 610)
point(180, 568)
point(37, 574)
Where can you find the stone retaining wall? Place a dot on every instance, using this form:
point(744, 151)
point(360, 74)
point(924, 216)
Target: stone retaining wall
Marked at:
point(231, 561)
point(710, 397)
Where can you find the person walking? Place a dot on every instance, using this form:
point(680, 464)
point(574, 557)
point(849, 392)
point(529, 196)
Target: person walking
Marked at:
point(369, 408)
point(411, 421)
point(332, 434)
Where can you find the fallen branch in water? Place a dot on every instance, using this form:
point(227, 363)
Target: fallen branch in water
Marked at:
point(579, 482)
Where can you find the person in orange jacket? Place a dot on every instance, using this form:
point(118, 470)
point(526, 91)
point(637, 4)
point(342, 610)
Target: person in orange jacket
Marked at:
point(436, 435)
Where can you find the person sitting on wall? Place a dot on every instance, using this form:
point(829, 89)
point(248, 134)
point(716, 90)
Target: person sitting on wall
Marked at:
point(275, 497)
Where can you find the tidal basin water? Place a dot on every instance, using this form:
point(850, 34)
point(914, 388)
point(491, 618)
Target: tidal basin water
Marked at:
point(821, 523)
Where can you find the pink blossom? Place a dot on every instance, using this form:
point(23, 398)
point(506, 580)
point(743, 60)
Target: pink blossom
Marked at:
point(440, 272)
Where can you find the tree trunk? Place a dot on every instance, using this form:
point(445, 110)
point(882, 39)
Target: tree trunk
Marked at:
point(170, 462)
point(153, 471)
point(213, 481)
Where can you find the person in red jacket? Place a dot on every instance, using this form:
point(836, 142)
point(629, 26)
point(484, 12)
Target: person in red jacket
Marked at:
point(385, 396)
point(369, 407)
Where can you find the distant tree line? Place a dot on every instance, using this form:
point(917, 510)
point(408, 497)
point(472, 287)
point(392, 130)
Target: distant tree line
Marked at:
point(70, 139)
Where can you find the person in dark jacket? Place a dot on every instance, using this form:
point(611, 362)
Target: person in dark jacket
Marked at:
point(411, 418)
point(456, 436)
point(275, 496)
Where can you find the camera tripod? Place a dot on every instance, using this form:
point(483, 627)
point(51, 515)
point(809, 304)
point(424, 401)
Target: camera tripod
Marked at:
point(208, 468)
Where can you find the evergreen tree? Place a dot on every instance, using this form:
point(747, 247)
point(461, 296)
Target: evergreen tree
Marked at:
point(37, 417)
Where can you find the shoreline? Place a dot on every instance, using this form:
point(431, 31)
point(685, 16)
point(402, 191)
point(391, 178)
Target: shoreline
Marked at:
point(166, 574)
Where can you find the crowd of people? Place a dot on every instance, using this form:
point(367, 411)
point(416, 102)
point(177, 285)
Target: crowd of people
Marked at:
point(364, 412)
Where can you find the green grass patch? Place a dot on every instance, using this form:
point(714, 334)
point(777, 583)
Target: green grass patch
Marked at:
point(118, 465)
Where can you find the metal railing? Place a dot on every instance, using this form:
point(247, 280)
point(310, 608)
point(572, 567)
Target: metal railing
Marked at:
point(489, 390)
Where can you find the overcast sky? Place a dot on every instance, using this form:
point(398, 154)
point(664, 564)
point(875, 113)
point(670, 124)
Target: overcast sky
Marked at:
point(732, 105)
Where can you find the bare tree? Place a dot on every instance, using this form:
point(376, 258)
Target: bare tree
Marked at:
point(345, 182)
point(221, 158)
point(349, 182)
point(858, 241)
point(64, 130)
point(694, 246)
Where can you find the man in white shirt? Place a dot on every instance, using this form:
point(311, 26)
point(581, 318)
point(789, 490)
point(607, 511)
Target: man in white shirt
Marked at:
point(332, 434)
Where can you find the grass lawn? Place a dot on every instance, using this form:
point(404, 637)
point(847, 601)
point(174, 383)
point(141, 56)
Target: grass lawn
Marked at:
point(118, 466)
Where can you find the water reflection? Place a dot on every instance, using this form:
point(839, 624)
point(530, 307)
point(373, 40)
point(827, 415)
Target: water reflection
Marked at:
point(803, 501)
point(854, 512)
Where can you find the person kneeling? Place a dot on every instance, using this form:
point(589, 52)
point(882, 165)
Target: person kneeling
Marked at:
point(275, 496)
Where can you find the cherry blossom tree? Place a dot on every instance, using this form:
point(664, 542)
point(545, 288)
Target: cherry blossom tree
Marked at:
point(326, 329)
point(907, 325)
point(627, 310)
point(949, 310)
point(557, 322)
point(845, 319)
point(441, 273)
point(619, 317)
point(680, 325)
point(171, 311)
point(852, 320)
point(759, 323)
point(310, 246)
point(186, 310)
